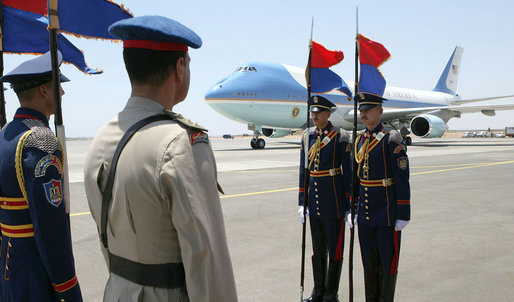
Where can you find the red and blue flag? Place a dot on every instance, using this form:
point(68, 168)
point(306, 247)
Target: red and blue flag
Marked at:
point(25, 31)
point(86, 18)
point(371, 56)
point(323, 79)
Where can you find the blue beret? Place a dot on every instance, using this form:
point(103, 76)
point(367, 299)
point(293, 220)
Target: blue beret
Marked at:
point(32, 73)
point(318, 103)
point(368, 100)
point(155, 32)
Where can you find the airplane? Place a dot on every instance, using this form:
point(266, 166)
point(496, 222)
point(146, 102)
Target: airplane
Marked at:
point(272, 99)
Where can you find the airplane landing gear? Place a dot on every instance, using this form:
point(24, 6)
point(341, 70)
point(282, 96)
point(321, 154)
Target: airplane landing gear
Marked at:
point(257, 143)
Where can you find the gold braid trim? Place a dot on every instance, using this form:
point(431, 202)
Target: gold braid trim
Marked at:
point(362, 154)
point(19, 164)
point(315, 148)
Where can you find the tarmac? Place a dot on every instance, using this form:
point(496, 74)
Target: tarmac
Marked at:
point(458, 246)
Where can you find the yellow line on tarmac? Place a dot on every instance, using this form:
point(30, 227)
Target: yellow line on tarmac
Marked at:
point(258, 171)
point(257, 193)
point(460, 167)
point(467, 167)
point(441, 166)
point(80, 214)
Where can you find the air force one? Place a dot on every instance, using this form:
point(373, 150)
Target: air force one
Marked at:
point(272, 99)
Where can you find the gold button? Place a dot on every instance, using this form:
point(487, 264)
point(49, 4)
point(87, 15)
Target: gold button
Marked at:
point(367, 218)
point(317, 202)
point(366, 207)
point(366, 201)
point(366, 188)
point(316, 190)
point(317, 196)
point(366, 194)
point(315, 183)
point(317, 208)
point(318, 213)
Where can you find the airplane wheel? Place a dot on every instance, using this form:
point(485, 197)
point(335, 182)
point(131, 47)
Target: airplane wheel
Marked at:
point(260, 143)
point(253, 143)
point(408, 140)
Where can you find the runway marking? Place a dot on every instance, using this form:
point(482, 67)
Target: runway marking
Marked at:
point(479, 165)
point(258, 171)
point(459, 167)
point(80, 214)
point(257, 193)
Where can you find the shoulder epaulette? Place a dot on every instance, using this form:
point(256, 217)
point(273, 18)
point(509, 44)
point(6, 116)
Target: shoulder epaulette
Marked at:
point(345, 136)
point(394, 136)
point(43, 139)
point(185, 121)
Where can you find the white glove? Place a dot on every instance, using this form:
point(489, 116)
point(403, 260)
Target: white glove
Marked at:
point(400, 224)
point(300, 213)
point(348, 219)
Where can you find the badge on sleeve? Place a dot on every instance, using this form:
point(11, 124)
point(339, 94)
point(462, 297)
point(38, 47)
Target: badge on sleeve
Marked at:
point(44, 163)
point(53, 192)
point(199, 137)
point(402, 163)
point(399, 149)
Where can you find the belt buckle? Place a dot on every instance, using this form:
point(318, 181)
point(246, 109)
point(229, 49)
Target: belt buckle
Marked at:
point(332, 172)
point(386, 182)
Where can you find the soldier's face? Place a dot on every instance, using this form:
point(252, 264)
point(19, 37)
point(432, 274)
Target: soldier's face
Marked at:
point(320, 118)
point(371, 117)
point(47, 91)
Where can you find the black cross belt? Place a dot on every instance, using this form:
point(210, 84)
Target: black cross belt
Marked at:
point(168, 275)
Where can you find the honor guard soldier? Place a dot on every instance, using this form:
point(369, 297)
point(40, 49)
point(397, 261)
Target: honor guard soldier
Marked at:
point(329, 192)
point(384, 199)
point(36, 252)
point(161, 225)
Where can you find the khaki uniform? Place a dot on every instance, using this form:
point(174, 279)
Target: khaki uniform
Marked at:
point(165, 206)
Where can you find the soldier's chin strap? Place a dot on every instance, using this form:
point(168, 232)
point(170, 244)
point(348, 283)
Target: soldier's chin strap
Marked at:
point(107, 193)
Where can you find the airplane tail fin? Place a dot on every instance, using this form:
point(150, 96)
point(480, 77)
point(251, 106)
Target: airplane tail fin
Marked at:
point(448, 81)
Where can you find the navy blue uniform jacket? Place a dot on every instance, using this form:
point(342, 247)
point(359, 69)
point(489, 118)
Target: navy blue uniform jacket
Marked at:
point(384, 191)
point(36, 256)
point(330, 176)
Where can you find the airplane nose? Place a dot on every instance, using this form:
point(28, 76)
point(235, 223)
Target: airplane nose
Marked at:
point(214, 91)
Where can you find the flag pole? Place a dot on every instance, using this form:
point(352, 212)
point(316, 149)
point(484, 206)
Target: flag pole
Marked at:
point(355, 183)
point(3, 118)
point(306, 167)
point(58, 122)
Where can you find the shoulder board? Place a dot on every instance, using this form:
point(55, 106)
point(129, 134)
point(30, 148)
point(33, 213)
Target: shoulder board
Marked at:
point(394, 136)
point(42, 138)
point(185, 121)
point(345, 136)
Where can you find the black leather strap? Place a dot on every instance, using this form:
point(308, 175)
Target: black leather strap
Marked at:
point(107, 193)
point(168, 275)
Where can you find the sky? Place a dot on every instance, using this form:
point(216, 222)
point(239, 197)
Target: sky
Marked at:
point(420, 35)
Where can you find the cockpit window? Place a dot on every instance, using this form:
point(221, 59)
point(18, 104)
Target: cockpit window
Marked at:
point(245, 68)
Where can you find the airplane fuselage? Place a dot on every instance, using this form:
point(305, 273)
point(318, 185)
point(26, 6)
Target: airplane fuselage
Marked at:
point(270, 95)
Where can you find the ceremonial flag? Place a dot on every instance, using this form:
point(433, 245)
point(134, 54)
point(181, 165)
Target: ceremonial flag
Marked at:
point(86, 18)
point(372, 55)
point(25, 31)
point(322, 78)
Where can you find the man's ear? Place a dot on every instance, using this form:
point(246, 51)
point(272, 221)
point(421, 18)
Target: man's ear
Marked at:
point(43, 91)
point(179, 69)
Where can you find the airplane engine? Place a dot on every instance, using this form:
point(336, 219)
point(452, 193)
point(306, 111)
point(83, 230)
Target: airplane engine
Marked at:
point(274, 132)
point(427, 126)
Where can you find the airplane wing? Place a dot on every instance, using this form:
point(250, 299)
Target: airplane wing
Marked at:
point(445, 112)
